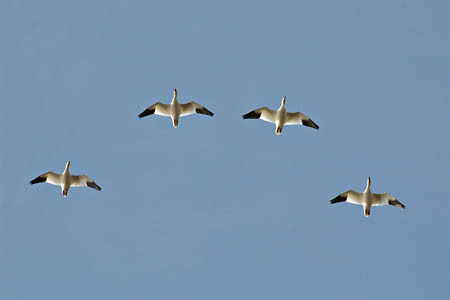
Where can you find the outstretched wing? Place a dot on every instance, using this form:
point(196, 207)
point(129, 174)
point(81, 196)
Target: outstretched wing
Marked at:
point(381, 199)
point(386, 199)
point(48, 177)
point(194, 108)
point(83, 180)
point(158, 108)
point(262, 113)
point(298, 118)
point(349, 196)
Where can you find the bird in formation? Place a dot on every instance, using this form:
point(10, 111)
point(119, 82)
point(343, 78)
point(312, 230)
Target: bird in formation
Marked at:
point(367, 199)
point(280, 117)
point(66, 180)
point(175, 110)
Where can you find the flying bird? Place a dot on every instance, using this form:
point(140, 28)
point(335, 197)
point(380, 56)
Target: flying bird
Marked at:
point(280, 117)
point(66, 180)
point(175, 110)
point(367, 199)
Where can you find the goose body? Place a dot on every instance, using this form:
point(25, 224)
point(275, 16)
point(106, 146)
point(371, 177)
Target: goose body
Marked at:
point(280, 117)
point(66, 180)
point(367, 199)
point(175, 110)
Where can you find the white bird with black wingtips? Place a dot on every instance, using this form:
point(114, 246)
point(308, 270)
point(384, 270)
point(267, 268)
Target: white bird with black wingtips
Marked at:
point(175, 110)
point(280, 117)
point(367, 199)
point(66, 180)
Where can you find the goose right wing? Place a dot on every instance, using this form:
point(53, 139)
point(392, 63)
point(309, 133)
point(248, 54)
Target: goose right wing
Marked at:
point(48, 177)
point(158, 108)
point(262, 113)
point(349, 196)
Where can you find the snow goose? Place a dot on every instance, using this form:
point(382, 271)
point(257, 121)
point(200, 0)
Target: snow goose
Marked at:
point(66, 180)
point(280, 117)
point(367, 199)
point(175, 110)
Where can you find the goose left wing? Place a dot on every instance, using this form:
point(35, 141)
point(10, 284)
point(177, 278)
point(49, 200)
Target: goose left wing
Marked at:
point(194, 108)
point(83, 180)
point(299, 118)
point(386, 199)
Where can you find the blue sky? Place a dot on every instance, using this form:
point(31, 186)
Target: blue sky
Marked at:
point(222, 208)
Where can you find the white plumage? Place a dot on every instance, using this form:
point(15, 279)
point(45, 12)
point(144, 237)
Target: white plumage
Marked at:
point(175, 110)
point(367, 199)
point(280, 117)
point(66, 180)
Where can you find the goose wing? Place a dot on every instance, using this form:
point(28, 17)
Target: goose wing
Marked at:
point(349, 196)
point(385, 199)
point(262, 113)
point(48, 177)
point(83, 180)
point(194, 108)
point(158, 108)
point(299, 118)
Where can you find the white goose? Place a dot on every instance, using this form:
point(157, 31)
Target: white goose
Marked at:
point(175, 110)
point(280, 117)
point(66, 180)
point(367, 199)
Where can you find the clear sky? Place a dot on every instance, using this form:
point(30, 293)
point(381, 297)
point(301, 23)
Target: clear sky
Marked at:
point(222, 208)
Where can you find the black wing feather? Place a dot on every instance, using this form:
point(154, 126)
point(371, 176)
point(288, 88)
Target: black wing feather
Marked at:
point(204, 111)
point(93, 185)
point(147, 112)
point(38, 179)
point(310, 123)
point(338, 199)
point(252, 115)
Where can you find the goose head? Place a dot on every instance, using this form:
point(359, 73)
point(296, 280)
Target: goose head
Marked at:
point(283, 101)
point(67, 165)
point(175, 94)
point(369, 181)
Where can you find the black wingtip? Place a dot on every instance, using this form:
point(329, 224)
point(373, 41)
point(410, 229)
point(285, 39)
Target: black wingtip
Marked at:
point(93, 185)
point(310, 123)
point(338, 199)
point(38, 179)
point(396, 203)
point(251, 115)
point(204, 111)
point(146, 112)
